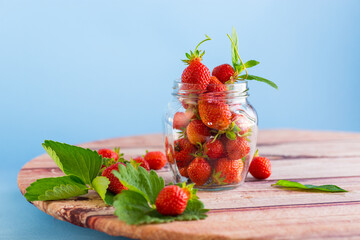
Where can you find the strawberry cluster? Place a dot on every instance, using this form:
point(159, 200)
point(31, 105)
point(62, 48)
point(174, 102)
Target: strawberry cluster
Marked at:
point(112, 158)
point(212, 135)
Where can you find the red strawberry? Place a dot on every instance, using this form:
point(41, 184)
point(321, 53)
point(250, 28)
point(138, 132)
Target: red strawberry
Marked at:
point(215, 85)
point(171, 201)
point(238, 148)
point(143, 162)
point(260, 167)
point(199, 171)
point(156, 159)
point(228, 171)
point(197, 132)
point(115, 185)
point(214, 149)
point(183, 172)
point(242, 122)
point(223, 72)
point(214, 112)
point(108, 153)
point(183, 152)
point(196, 76)
point(180, 121)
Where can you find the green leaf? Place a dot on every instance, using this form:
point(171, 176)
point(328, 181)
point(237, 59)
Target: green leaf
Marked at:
point(325, 188)
point(148, 184)
point(132, 208)
point(234, 57)
point(55, 188)
point(260, 79)
point(73, 160)
point(109, 198)
point(100, 184)
point(251, 63)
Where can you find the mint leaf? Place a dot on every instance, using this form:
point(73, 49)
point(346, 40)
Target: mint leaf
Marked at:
point(55, 188)
point(148, 184)
point(260, 79)
point(73, 160)
point(100, 184)
point(234, 57)
point(132, 208)
point(248, 64)
point(325, 188)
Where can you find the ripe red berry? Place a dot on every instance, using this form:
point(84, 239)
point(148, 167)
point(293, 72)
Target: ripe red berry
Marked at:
point(180, 121)
point(184, 151)
point(214, 149)
point(143, 162)
point(260, 167)
point(242, 122)
point(108, 153)
point(156, 159)
point(171, 201)
point(214, 112)
point(215, 85)
point(115, 185)
point(197, 132)
point(237, 149)
point(196, 76)
point(199, 171)
point(228, 171)
point(223, 72)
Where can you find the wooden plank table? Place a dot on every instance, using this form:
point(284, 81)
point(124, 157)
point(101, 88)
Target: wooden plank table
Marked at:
point(254, 210)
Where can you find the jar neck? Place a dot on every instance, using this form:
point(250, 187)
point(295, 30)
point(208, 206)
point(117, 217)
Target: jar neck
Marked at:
point(232, 93)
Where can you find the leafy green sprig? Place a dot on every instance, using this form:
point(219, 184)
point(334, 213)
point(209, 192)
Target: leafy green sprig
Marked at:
point(240, 66)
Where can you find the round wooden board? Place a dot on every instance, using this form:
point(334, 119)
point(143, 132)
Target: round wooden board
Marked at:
point(254, 210)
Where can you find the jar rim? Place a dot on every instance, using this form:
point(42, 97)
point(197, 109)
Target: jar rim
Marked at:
point(237, 89)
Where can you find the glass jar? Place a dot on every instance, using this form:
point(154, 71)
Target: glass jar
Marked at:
point(210, 134)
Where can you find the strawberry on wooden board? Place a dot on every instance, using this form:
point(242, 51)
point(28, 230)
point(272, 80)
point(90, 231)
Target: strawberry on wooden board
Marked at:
point(184, 151)
point(199, 171)
point(214, 112)
point(115, 185)
point(143, 163)
point(214, 148)
point(156, 159)
point(228, 171)
point(196, 75)
point(171, 201)
point(215, 85)
point(223, 72)
point(197, 132)
point(108, 153)
point(238, 148)
point(260, 167)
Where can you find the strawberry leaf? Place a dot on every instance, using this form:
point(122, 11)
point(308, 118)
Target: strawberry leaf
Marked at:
point(73, 160)
point(260, 79)
point(132, 208)
point(234, 57)
point(148, 184)
point(324, 188)
point(55, 188)
point(248, 64)
point(100, 185)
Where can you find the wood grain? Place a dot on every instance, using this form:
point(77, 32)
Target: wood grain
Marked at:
point(253, 211)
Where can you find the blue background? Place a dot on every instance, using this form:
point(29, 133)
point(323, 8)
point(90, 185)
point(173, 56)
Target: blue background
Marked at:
point(77, 71)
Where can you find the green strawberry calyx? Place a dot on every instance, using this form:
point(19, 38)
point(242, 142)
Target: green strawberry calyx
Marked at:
point(197, 54)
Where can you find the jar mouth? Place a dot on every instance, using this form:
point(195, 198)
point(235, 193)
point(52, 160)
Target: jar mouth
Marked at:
point(237, 89)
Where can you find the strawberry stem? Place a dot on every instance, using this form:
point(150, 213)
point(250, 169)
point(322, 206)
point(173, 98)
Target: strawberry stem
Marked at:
point(207, 39)
point(237, 53)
